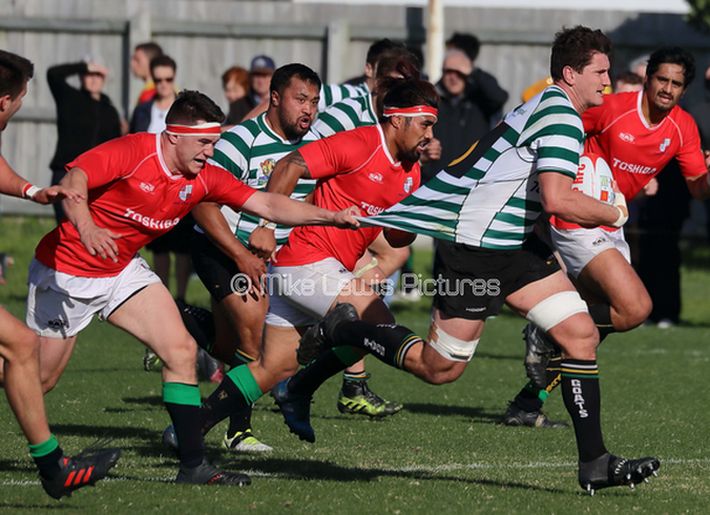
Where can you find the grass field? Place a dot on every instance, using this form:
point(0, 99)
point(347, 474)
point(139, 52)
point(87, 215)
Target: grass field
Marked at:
point(444, 453)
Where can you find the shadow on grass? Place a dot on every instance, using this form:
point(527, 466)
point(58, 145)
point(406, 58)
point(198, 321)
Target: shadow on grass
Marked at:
point(308, 470)
point(108, 432)
point(153, 400)
point(51, 505)
point(469, 412)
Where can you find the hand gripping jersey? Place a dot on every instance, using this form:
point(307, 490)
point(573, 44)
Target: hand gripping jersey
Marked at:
point(636, 152)
point(352, 168)
point(132, 193)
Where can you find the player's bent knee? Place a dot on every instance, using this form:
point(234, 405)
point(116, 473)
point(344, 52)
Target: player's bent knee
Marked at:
point(452, 348)
point(556, 308)
point(635, 314)
point(578, 337)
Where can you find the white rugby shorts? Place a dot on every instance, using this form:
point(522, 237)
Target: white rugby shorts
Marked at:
point(60, 305)
point(301, 295)
point(577, 247)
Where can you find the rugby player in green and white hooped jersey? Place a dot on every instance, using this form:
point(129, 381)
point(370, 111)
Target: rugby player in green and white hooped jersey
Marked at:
point(229, 271)
point(483, 206)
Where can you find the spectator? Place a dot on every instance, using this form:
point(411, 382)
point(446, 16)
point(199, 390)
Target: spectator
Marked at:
point(85, 116)
point(235, 84)
point(143, 54)
point(468, 102)
point(260, 72)
point(150, 116)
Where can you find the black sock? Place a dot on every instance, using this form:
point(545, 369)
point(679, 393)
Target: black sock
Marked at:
point(239, 421)
point(46, 456)
point(601, 314)
point(388, 343)
point(183, 404)
point(307, 380)
point(580, 390)
point(235, 394)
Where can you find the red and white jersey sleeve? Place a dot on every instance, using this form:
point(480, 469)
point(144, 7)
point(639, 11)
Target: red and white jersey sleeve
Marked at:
point(354, 168)
point(134, 194)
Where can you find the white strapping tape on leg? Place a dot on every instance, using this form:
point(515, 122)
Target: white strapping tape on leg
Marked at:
point(451, 347)
point(556, 308)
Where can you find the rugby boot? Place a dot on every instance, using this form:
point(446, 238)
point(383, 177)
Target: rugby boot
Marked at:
point(84, 469)
point(319, 337)
point(609, 470)
point(207, 474)
point(539, 349)
point(244, 441)
point(296, 410)
point(356, 398)
point(516, 416)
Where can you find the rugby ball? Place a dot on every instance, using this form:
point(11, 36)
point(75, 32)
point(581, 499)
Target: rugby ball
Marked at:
point(594, 178)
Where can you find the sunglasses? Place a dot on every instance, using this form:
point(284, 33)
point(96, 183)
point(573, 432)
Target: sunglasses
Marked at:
point(164, 79)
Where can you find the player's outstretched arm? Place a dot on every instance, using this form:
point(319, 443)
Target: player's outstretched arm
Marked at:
point(559, 199)
point(97, 240)
point(13, 184)
point(286, 211)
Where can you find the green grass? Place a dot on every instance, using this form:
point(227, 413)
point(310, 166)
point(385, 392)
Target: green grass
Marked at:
point(445, 452)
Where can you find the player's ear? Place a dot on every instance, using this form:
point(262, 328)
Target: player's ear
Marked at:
point(569, 75)
point(275, 98)
point(396, 121)
point(172, 138)
point(4, 103)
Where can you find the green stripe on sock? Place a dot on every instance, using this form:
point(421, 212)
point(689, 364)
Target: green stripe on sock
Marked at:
point(243, 379)
point(581, 376)
point(181, 393)
point(543, 395)
point(348, 355)
point(42, 449)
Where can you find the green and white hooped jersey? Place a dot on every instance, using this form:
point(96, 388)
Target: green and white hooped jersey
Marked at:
point(333, 93)
point(346, 115)
point(249, 151)
point(490, 197)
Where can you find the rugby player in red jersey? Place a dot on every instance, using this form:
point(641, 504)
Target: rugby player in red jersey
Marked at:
point(371, 167)
point(138, 187)
point(638, 133)
point(19, 346)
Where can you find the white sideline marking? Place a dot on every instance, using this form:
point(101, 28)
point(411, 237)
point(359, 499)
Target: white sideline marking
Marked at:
point(417, 468)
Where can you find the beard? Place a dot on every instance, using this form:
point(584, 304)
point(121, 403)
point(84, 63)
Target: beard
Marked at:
point(292, 131)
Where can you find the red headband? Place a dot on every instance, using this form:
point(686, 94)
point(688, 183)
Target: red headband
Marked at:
point(420, 110)
point(203, 129)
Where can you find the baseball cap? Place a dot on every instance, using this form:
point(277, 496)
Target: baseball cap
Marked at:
point(262, 64)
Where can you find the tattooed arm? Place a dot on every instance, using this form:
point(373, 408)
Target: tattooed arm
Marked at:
point(287, 172)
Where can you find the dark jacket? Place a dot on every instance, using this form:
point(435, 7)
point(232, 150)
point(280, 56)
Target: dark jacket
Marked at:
point(140, 121)
point(466, 118)
point(82, 122)
point(239, 109)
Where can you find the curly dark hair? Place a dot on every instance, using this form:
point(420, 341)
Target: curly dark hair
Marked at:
point(575, 47)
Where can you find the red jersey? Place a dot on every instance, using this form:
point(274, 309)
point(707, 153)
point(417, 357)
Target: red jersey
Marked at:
point(132, 193)
point(354, 168)
point(636, 152)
